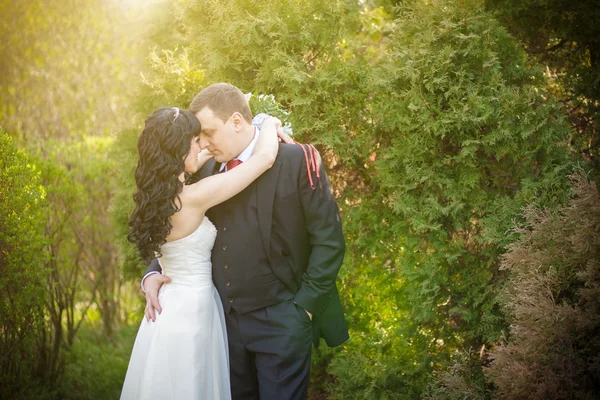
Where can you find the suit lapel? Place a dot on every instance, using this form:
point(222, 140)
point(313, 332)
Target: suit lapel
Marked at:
point(265, 194)
point(214, 166)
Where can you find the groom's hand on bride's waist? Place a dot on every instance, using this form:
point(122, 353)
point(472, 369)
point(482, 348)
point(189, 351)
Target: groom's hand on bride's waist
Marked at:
point(152, 284)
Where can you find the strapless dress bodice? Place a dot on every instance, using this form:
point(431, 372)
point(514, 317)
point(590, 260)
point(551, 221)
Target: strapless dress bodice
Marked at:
point(187, 260)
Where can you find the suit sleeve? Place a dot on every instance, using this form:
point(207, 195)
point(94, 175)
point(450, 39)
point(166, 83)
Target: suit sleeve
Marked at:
point(326, 240)
point(153, 267)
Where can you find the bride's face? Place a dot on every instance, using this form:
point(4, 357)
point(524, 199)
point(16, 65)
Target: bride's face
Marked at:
point(191, 161)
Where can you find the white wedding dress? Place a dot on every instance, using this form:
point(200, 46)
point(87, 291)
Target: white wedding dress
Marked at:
point(183, 354)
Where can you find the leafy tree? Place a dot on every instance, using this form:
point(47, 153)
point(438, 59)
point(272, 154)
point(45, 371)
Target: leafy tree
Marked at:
point(63, 266)
point(565, 37)
point(89, 164)
point(66, 68)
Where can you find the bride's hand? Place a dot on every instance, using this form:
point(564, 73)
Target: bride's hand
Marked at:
point(203, 157)
point(284, 137)
point(268, 143)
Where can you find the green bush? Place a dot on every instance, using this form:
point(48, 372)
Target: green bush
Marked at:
point(97, 365)
point(22, 256)
point(463, 137)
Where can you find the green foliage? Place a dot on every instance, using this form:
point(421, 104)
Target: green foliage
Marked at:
point(56, 259)
point(97, 366)
point(67, 72)
point(80, 269)
point(552, 299)
point(564, 36)
point(460, 152)
point(83, 255)
point(274, 41)
point(463, 137)
point(22, 256)
point(263, 103)
point(172, 79)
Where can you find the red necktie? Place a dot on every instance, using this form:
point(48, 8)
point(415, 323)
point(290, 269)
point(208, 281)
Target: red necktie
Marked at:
point(232, 164)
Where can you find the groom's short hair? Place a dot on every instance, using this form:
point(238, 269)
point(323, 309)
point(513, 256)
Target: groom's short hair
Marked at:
point(223, 99)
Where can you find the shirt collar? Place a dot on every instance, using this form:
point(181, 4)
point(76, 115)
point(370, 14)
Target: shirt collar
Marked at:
point(248, 151)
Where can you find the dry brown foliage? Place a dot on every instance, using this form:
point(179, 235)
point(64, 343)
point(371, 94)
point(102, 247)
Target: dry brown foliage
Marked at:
point(553, 301)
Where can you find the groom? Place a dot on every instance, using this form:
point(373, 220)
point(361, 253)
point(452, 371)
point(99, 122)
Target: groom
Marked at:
point(278, 251)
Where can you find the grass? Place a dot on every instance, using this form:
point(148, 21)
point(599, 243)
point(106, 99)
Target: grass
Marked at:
point(97, 365)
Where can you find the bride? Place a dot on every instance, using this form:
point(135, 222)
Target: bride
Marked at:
point(183, 354)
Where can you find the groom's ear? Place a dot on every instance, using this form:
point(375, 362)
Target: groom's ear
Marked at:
point(238, 121)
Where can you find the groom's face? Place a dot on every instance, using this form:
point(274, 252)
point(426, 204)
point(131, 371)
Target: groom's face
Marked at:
point(218, 136)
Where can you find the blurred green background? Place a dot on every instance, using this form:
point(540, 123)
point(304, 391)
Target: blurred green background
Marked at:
point(461, 138)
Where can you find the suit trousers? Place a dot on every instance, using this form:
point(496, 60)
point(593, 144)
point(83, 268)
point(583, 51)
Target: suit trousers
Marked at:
point(269, 352)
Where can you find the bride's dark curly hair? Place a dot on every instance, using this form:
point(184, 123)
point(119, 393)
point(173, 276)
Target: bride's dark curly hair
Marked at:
point(162, 148)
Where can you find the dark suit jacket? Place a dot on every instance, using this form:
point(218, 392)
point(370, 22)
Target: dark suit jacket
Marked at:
point(302, 235)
